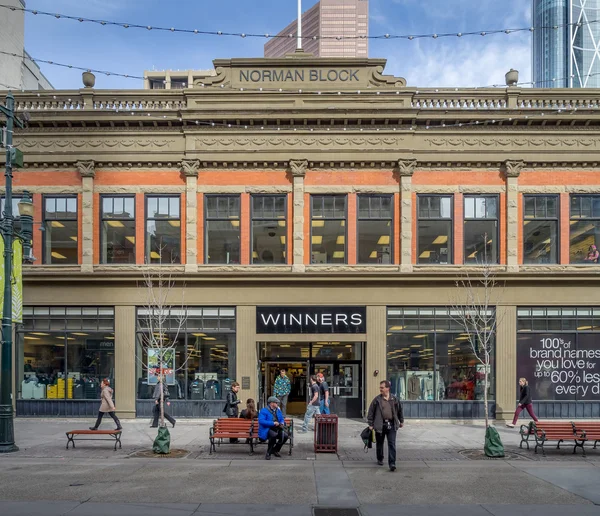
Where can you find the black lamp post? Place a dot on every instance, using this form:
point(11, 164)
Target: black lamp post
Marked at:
point(7, 228)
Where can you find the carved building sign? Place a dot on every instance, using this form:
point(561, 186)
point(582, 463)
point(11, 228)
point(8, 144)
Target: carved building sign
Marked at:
point(296, 75)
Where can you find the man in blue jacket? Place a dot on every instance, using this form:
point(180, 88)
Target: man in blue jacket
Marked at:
point(270, 427)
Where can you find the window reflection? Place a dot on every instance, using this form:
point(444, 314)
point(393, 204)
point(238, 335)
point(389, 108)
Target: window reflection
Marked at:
point(60, 230)
point(163, 230)
point(222, 229)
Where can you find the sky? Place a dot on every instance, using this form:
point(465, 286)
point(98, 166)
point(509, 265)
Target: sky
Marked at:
point(443, 62)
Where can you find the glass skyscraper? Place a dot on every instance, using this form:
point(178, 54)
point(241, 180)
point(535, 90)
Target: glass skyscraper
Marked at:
point(566, 55)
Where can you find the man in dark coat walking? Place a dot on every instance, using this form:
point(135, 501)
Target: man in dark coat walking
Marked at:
point(385, 416)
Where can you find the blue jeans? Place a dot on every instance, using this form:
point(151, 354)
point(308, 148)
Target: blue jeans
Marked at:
point(324, 408)
point(311, 410)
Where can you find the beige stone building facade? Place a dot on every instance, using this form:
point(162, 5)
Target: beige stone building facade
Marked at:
point(316, 214)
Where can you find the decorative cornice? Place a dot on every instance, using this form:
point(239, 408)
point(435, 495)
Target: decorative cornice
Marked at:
point(298, 167)
point(407, 166)
point(512, 168)
point(190, 167)
point(86, 168)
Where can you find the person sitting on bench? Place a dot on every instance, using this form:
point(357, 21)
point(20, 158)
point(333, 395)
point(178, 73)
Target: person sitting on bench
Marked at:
point(106, 405)
point(270, 427)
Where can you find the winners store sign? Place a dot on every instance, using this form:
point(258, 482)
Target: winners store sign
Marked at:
point(311, 319)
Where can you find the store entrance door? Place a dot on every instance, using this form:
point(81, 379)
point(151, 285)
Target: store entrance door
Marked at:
point(345, 387)
point(297, 372)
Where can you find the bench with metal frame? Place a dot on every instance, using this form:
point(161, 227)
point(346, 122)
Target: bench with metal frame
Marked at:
point(559, 431)
point(590, 430)
point(111, 435)
point(244, 430)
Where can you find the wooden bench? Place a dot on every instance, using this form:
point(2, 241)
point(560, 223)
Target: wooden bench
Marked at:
point(244, 430)
point(556, 431)
point(590, 429)
point(110, 435)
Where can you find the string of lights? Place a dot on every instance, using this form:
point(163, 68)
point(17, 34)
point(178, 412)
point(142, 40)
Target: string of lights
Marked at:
point(409, 37)
point(548, 115)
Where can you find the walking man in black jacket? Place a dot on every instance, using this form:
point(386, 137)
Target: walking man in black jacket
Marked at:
point(385, 416)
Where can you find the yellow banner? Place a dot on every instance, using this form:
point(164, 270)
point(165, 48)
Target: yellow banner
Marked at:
point(16, 280)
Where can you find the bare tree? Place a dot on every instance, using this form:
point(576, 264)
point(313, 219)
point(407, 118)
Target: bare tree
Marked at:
point(161, 324)
point(474, 308)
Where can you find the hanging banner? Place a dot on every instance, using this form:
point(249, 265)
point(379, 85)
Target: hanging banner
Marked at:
point(16, 280)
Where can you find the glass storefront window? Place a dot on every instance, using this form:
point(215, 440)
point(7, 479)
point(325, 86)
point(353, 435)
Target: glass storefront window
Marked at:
point(118, 230)
point(269, 229)
point(430, 358)
point(60, 230)
point(336, 350)
point(434, 242)
point(55, 362)
point(481, 229)
point(222, 214)
point(557, 351)
point(328, 229)
point(584, 240)
point(540, 229)
point(375, 229)
point(163, 229)
point(203, 363)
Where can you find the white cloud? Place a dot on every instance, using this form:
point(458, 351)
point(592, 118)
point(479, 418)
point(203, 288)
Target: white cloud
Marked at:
point(477, 63)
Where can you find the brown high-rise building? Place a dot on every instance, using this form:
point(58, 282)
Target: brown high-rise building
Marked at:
point(331, 28)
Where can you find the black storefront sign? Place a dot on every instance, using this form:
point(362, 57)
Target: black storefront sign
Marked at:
point(99, 345)
point(560, 367)
point(311, 319)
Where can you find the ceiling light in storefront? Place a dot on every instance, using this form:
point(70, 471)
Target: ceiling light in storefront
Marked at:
point(131, 239)
point(338, 254)
point(235, 223)
point(254, 254)
point(574, 222)
point(373, 254)
point(318, 223)
point(40, 333)
point(154, 255)
point(546, 241)
point(56, 224)
point(397, 328)
point(584, 327)
point(384, 240)
point(341, 240)
point(473, 255)
point(526, 222)
point(74, 238)
point(115, 224)
point(221, 345)
point(281, 223)
point(199, 334)
point(175, 223)
point(419, 336)
point(58, 256)
point(388, 334)
point(425, 254)
point(462, 338)
point(342, 223)
point(31, 338)
point(209, 338)
point(80, 334)
point(442, 239)
point(282, 239)
point(416, 346)
point(317, 239)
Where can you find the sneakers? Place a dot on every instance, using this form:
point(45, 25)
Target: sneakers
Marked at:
point(392, 468)
point(380, 463)
point(267, 457)
point(510, 425)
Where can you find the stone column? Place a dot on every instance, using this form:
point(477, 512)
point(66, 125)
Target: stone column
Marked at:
point(376, 357)
point(125, 362)
point(298, 169)
point(512, 170)
point(245, 356)
point(406, 168)
point(189, 168)
point(506, 361)
point(87, 170)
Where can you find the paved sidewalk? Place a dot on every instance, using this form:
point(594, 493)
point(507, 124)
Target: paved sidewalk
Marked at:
point(434, 475)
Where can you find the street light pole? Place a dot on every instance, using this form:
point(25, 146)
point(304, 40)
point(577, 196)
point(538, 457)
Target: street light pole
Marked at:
point(7, 433)
point(7, 229)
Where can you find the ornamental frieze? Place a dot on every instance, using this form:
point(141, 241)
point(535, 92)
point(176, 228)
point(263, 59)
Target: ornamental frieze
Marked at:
point(467, 143)
point(97, 144)
point(298, 142)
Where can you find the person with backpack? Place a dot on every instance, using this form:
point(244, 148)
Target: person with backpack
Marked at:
point(385, 416)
